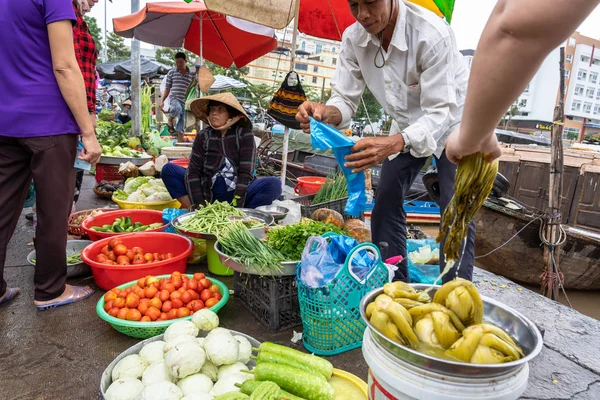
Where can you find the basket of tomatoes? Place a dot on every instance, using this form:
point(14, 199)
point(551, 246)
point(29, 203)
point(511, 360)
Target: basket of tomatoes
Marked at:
point(124, 258)
point(146, 307)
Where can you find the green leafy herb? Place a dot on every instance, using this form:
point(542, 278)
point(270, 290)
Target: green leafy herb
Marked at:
point(290, 239)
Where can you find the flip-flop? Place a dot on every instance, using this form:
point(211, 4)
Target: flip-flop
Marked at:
point(79, 293)
point(10, 294)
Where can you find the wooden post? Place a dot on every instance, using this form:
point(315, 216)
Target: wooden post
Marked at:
point(550, 286)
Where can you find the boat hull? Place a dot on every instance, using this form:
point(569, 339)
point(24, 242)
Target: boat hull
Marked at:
point(522, 258)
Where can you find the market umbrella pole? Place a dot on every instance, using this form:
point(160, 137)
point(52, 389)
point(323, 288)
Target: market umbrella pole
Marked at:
point(135, 80)
point(286, 132)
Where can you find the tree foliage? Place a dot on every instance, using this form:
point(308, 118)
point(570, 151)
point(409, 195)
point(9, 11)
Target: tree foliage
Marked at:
point(261, 94)
point(373, 107)
point(116, 48)
point(95, 31)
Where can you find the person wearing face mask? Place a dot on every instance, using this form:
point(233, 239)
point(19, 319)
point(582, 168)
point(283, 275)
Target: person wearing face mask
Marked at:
point(223, 160)
point(408, 58)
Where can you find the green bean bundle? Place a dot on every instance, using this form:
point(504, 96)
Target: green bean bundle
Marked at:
point(211, 218)
point(239, 243)
point(473, 183)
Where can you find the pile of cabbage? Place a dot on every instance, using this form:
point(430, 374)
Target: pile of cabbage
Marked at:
point(143, 189)
point(184, 366)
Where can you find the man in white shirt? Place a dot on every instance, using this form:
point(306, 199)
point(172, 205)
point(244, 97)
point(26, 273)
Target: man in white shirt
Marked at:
point(408, 58)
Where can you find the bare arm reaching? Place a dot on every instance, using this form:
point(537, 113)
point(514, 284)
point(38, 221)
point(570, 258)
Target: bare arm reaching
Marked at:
point(524, 30)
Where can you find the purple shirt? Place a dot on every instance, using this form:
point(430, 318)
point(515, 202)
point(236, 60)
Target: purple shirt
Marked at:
point(31, 103)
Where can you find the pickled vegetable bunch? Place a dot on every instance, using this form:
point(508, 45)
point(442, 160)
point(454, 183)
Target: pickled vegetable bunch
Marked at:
point(450, 326)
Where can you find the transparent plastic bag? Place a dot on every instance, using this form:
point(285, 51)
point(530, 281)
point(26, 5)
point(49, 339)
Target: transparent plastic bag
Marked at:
point(318, 266)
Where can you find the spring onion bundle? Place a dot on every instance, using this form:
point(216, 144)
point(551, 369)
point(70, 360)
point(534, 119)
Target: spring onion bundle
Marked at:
point(239, 243)
point(335, 188)
point(473, 183)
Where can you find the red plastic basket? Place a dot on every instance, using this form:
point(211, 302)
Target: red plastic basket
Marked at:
point(182, 162)
point(107, 172)
point(110, 276)
point(145, 217)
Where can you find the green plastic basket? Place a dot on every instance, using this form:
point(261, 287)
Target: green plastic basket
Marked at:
point(144, 330)
point(331, 314)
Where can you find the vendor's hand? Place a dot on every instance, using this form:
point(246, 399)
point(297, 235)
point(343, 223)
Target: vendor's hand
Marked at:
point(92, 151)
point(457, 148)
point(371, 151)
point(318, 111)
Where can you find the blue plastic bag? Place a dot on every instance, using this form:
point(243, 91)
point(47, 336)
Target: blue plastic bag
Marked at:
point(422, 273)
point(169, 214)
point(324, 137)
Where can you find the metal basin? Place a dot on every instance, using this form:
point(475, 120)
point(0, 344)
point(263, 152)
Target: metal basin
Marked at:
point(288, 268)
point(106, 379)
point(73, 270)
point(267, 219)
point(521, 329)
point(279, 213)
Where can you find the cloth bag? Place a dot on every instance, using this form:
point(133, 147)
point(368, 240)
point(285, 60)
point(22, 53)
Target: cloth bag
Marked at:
point(285, 102)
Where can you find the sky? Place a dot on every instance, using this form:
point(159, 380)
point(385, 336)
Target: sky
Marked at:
point(470, 17)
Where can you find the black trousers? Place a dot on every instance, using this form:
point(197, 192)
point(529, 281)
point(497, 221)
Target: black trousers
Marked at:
point(388, 220)
point(49, 160)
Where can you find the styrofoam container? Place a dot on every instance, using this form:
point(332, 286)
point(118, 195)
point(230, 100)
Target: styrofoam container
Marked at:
point(393, 379)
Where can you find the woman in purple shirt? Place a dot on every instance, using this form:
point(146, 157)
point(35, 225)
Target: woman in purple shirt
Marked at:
point(43, 112)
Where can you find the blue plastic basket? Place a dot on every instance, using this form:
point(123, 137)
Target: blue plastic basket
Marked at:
point(331, 314)
point(422, 273)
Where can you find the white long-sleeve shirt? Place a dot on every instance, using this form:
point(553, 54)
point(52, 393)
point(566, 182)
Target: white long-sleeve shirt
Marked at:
point(422, 85)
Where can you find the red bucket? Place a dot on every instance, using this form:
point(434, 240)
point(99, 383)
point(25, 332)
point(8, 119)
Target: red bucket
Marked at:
point(182, 162)
point(309, 185)
point(110, 276)
point(145, 217)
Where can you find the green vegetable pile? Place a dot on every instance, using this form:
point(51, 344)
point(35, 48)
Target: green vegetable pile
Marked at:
point(146, 105)
point(126, 225)
point(72, 259)
point(290, 239)
point(335, 188)
point(143, 189)
point(212, 218)
point(239, 243)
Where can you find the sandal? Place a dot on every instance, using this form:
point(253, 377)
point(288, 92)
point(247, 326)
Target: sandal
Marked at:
point(79, 293)
point(10, 294)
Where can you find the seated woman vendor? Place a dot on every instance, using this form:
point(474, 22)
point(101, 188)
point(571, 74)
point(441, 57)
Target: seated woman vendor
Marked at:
point(223, 160)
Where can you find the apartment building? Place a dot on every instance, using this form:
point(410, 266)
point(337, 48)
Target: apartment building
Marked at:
point(315, 62)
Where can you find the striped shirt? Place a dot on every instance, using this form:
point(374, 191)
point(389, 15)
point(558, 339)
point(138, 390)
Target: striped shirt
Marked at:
point(178, 84)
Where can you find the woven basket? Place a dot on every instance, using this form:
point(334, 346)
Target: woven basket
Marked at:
point(75, 229)
point(105, 195)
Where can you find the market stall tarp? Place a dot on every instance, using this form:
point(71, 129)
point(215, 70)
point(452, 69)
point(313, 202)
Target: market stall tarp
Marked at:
point(121, 69)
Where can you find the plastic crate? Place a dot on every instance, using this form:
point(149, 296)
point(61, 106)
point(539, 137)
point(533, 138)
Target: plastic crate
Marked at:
point(273, 301)
point(106, 172)
point(307, 208)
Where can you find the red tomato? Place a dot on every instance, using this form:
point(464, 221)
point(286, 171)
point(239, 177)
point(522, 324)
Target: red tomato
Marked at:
point(163, 316)
point(137, 250)
point(176, 281)
point(169, 287)
point(138, 259)
point(101, 258)
point(122, 314)
point(141, 282)
point(196, 305)
point(132, 300)
point(150, 292)
point(152, 280)
point(148, 257)
point(112, 243)
point(130, 254)
point(110, 295)
point(123, 259)
point(155, 302)
point(218, 296)
point(192, 284)
point(177, 303)
point(113, 312)
point(167, 256)
point(156, 257)
point(123, 294)
point(164, 295)
point(119, 302)
point(205, 295)
point(175, 295)
point(111, 256)
point(153, 313)
point(172, 314)
point(194, 295)
point(134, 315)
point(104, 250)
point(108, 305)
point(199, 276)
point(120, 249)
point(215, 289)
point(166, 306)
point(175, 274)
point(186, 297)
point(143, 307)
point(145, 319)
point(183, 312)
point(206, 283)
point(211, 302)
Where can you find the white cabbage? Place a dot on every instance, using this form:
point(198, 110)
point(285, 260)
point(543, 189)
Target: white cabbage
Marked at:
point(205, 319)
point(200, 341)
point(132, 366)
point(228, 382)
point(155, 373)
point(185, 359)
point(217, 331)
point(197, 383)
point(245, 349)
point(209, 369)
point(231, 369)
point(161, 391)
point(179, 339)
point(153, 352)
point(158, 196)
point(124, 389)
point(221, 348)
point(180, 328)
point(136, 197)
